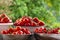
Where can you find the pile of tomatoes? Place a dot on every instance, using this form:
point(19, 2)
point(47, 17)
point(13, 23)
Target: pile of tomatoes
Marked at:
point(28, 21)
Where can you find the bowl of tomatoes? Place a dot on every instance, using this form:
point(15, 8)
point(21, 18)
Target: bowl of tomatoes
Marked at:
point(29, 22)
point(47, 34)
point(17, 33)
point(5, 22)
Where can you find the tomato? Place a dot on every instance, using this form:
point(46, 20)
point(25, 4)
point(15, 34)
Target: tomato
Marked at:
point(4, 32)
point(5, 20)
point(20, 32)
point(41, 23)
point(18, 28)
point(36, 19)
point(10, 30)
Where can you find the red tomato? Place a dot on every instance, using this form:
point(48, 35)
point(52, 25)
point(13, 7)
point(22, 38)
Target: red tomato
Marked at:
point(5, 20)
point(41, 24)
point(4, 32)
point(14, 33)
point(35, 19)
point(36, 30)
point(18, 28)
point(20, 32)
point(33, 24)
point(10, 30)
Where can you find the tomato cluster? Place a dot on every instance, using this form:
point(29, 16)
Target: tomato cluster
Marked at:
point(20, 30)
point(54, 31)
point(40, 30)
point(49, 31)
point(16, 31)
point(28, 21)
point(4, 19)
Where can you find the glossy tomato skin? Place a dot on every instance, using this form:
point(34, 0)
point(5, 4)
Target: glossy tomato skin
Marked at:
point(33, 24)
point(22, 23)
point(10, 30)
point(41, 30)
point(18, 28)
point(28, 32)
point(20, 32)
point(54, 31)
point(36, 19)
point(41, 23)
point(36, 30)
point(28, 21)
point(23, 29)
point(4, 32)
point(27, 24)
point(14, 33)
point(5, 20)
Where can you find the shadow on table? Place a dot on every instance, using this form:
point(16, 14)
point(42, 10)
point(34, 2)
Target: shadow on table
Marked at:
point(39, 37)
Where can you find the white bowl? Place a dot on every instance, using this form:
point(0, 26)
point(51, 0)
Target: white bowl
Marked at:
point(31, 28)
point(55, 36)
point(4, 26)
point(15, 37)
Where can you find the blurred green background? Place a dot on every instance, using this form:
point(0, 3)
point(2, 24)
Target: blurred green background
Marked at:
point(46, 10)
